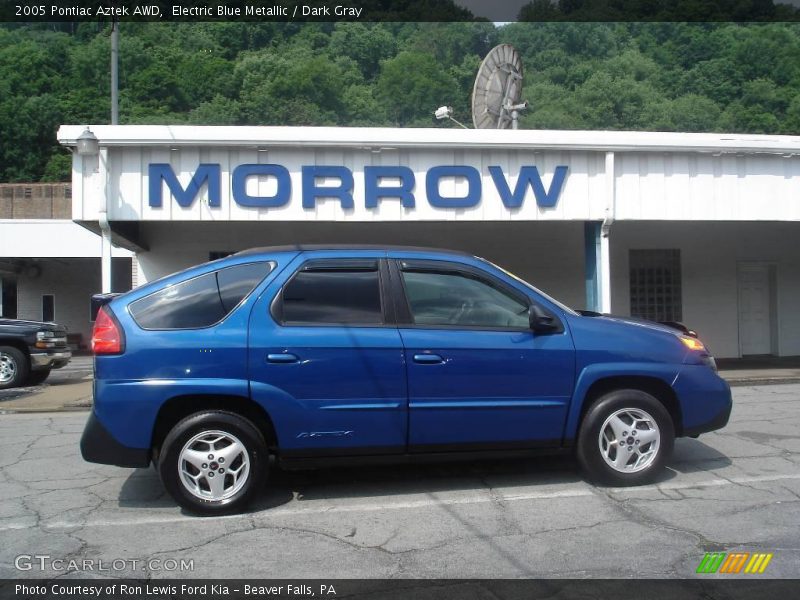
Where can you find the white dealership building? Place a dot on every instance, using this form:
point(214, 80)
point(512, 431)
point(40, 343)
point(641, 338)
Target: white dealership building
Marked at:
point(698, 228)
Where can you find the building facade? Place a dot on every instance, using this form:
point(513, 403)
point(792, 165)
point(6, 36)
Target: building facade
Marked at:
point(698, 228)
point(50, 265)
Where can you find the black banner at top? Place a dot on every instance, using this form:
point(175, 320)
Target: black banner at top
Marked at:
point(399, 10)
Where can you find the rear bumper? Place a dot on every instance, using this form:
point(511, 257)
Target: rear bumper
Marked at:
point(50, 360)
point(99, 446)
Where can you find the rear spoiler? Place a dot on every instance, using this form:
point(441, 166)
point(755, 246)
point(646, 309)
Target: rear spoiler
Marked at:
point(99, 301)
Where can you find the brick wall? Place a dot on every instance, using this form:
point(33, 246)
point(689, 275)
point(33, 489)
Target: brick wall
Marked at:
point(35, 201)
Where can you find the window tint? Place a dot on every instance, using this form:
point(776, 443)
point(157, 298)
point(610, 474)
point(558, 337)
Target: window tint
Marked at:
point(343, 296)
point(236, 282)
point(451, 298)
point(201, 301)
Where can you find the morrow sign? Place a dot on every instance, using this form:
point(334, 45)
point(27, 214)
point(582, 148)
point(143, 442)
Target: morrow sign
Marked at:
point(380, 183)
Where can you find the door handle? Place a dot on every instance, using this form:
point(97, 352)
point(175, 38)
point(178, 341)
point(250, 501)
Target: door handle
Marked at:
point(428, 359)
point(284, 357)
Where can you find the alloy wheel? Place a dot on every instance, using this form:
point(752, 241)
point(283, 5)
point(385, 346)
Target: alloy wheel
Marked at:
point(8, 367)
point(629, 440)
point(214, 465)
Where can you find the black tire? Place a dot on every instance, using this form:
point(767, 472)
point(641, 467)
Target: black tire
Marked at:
point(590, 454)
point(37, 377)
point(232, 425)
point(14, 365)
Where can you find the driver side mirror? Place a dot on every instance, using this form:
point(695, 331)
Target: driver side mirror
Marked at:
point(541, 321)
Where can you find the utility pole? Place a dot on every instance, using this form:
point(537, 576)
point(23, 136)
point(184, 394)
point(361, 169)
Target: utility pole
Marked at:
point(115, 72)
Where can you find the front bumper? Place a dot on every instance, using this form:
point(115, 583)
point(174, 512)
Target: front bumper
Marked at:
point(99, 446)
point(50, 360)
point(717, 422)
point(705, 399)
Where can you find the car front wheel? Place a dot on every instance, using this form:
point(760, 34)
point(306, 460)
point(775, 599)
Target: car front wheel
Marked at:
point(626, 438)
point(213, 462)
point(13, 367)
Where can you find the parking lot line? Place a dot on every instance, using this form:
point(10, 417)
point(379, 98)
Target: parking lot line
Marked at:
point(431, 500)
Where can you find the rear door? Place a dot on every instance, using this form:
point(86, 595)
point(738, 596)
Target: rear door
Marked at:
point(478, 377)
point(326, 358)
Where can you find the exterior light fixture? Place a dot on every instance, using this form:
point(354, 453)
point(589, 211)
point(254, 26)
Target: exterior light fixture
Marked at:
point(446, 112)
point(88, 144)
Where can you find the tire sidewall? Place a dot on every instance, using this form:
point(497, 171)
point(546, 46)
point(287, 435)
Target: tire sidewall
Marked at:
point(589, 453)
point(21, 362)
point(190, 426)
point(37, 377)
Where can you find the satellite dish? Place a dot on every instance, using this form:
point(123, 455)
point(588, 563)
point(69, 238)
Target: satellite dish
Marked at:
point(498, 87)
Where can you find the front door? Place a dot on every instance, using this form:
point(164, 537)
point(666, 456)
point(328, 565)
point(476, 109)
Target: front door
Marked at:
point(478, 377)
point(755, 300)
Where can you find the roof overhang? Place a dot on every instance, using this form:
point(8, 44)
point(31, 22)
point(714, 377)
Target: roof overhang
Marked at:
point(383, 138)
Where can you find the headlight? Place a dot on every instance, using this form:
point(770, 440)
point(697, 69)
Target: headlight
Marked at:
point(692, 343)
point(699, 347)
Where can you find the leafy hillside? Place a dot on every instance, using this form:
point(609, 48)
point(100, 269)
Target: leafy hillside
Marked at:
point(657, 76)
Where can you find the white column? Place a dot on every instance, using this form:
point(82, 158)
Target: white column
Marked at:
point(105, 228)
point(605, 231)
point(105, 260)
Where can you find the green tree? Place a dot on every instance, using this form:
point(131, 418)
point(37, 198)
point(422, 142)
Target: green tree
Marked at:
point(411, 86)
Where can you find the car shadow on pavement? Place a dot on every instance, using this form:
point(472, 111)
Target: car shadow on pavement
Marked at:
point(693, 456)
point(386, 480)
point(143, 488)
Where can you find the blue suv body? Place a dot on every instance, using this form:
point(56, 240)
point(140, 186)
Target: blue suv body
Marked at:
point(328, 353)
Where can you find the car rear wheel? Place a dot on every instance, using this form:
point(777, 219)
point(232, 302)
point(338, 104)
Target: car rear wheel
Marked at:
point(213, 462)
point(626, 438)
point(13, 367)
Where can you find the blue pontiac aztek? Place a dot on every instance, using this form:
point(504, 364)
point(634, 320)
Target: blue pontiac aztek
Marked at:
point(321, 354)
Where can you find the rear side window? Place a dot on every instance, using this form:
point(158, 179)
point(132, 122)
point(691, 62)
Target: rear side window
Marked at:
point(200, 301)
point(334, 296)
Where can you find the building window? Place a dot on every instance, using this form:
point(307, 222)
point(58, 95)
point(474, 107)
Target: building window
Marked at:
point(655, 277)
point(8, 298)
point(27, 192)
point(48, 307)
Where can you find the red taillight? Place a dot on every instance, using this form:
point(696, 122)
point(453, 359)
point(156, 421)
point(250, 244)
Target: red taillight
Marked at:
point(107, 336)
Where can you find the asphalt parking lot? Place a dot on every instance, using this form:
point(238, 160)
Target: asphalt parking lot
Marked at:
point(78, 370)
point(734, 490)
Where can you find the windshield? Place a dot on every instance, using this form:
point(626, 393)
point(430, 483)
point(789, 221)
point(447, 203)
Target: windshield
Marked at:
point(561, 305)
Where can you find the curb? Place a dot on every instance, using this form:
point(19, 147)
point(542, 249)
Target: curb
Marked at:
point(766, 381)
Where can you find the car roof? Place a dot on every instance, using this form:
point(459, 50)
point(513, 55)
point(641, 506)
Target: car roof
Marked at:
point(320, 247)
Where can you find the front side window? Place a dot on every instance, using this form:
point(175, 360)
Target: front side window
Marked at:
point(346, 295)
point(200, 301)
point(452, 298)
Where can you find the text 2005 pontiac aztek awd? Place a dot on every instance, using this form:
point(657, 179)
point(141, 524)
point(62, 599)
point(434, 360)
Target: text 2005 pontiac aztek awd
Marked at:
point(331, 353)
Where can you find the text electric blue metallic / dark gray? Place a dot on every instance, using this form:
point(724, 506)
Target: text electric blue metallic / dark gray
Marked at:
point(399, 386)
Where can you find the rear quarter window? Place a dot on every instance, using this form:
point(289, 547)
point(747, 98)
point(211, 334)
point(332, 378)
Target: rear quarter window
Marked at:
point(201, 301)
